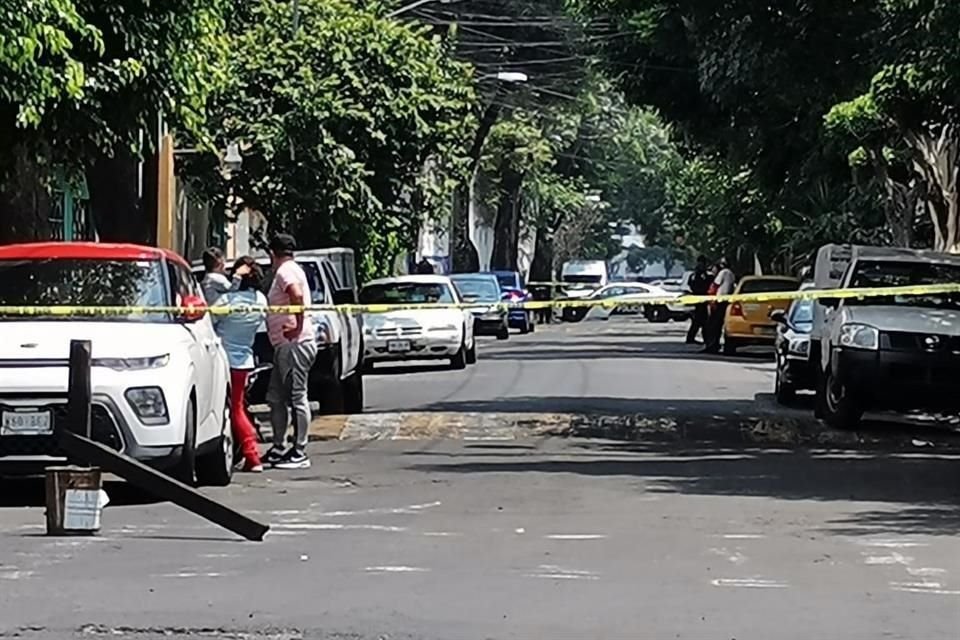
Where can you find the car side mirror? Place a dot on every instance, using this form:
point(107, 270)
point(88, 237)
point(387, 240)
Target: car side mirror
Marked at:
point(344, 297)
point(192, 308)
point(778, 316)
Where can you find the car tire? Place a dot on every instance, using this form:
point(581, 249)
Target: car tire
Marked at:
point(729, 346)
point(840, 411)
point(472, 353)
point(503, 333)
point(185, 469)
point(533, 326)
point(328, 389)
point(215, 469)
point(784, 392)
point(353, 392)
point(459, 359)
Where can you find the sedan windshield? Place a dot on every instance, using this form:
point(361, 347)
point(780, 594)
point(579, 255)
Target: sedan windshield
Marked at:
point(406, 293)
point(905, 274)
point(84, 283)
point(480, 289)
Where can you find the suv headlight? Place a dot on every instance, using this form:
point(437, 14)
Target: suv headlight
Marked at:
point(859, 336)
point(149, 404)
point(132, 364)
point(799, 346)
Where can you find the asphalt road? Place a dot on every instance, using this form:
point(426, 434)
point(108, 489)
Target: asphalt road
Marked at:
point(565, 539)
point(624, 365)
point(540, 537)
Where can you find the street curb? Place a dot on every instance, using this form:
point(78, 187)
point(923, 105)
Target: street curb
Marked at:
point(759, 430)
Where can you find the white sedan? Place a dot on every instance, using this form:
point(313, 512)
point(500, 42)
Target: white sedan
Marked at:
point(631, 294)
point(418, 333)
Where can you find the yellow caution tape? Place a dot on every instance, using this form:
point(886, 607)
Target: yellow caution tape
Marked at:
point(624, 301)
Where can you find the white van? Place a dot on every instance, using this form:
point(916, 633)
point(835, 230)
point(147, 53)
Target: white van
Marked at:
point(581, 277)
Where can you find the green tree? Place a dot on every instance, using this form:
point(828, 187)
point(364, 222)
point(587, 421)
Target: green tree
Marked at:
point(81, 81)
point(337, 121)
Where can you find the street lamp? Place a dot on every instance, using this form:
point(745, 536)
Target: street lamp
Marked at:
point(414, 5)
point(513, 77)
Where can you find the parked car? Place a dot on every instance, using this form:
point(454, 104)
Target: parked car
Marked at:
point(749, 323)
point(795, 371)
point(513, 286)
point(336, 379)
point(896, 353)
point(484, 288)
point(160, 380)
point(418, 333)
point(631, 295)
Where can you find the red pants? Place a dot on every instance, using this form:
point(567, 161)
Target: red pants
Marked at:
point(243, 431)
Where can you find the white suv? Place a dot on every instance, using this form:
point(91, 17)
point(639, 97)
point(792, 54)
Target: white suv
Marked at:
point(160, 381)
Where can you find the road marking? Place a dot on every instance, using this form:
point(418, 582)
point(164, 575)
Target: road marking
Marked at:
point(575, 536)
point(749, 583)
point(926, 571)
point(909, 587)
point(554, 572)
point(14, 574)
point(891, 544)
point(520, 530)
point(408, 510)
point(334, 526)
point(441, 534)
point(743, 536)
point(893, 558)
point(193, 574)
point(396, 569)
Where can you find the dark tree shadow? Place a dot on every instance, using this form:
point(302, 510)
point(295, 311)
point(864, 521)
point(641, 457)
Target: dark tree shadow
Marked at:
point(921, 489)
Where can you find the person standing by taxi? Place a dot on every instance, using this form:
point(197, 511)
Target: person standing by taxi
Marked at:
point(699, 285)
point(237, 331)
point(723, 284)
point(294, 341)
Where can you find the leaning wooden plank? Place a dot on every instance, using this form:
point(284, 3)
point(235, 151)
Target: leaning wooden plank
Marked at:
point(160, 485)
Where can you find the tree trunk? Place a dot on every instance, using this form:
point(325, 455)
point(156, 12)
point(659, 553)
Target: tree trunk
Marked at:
point(25, 202)
point(119, 212)
point(936, 159)
point(542, 267)
point(506, 229)
point(463, 253)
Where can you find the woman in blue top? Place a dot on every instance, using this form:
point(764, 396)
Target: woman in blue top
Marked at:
point(237, 331)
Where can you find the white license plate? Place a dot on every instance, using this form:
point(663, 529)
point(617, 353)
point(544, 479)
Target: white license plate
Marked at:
point(26, 423)
point(750, 309)
point(398, 346)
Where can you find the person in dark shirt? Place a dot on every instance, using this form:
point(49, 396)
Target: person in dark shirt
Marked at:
point(699, 285)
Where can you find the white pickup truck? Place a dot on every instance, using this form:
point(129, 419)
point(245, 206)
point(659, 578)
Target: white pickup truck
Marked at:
point(895, 353)
point(336, 381)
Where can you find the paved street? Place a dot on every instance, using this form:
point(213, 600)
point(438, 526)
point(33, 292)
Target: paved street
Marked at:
point(531, 537)
point(622, 365)
point(550, 539)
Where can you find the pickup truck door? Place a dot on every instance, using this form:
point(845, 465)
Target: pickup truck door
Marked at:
point(349, 323)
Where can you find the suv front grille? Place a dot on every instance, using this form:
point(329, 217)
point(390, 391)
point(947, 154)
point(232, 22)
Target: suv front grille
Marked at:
point(399, 332)
point(103, 427)
point(911, 342)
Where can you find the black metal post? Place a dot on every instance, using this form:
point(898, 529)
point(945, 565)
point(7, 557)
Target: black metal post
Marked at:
point(79, 388)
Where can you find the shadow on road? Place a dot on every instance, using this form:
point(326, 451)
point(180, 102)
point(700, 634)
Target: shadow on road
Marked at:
point(30, 492)
point(591, 349)
point(921, 489)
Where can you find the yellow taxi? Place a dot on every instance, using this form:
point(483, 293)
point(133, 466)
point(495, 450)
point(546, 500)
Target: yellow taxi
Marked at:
point(749, 323)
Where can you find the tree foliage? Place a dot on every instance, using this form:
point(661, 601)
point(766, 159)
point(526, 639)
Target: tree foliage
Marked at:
point(338, 120)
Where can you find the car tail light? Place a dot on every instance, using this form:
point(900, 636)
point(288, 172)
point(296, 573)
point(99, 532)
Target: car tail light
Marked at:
point(736, 309)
